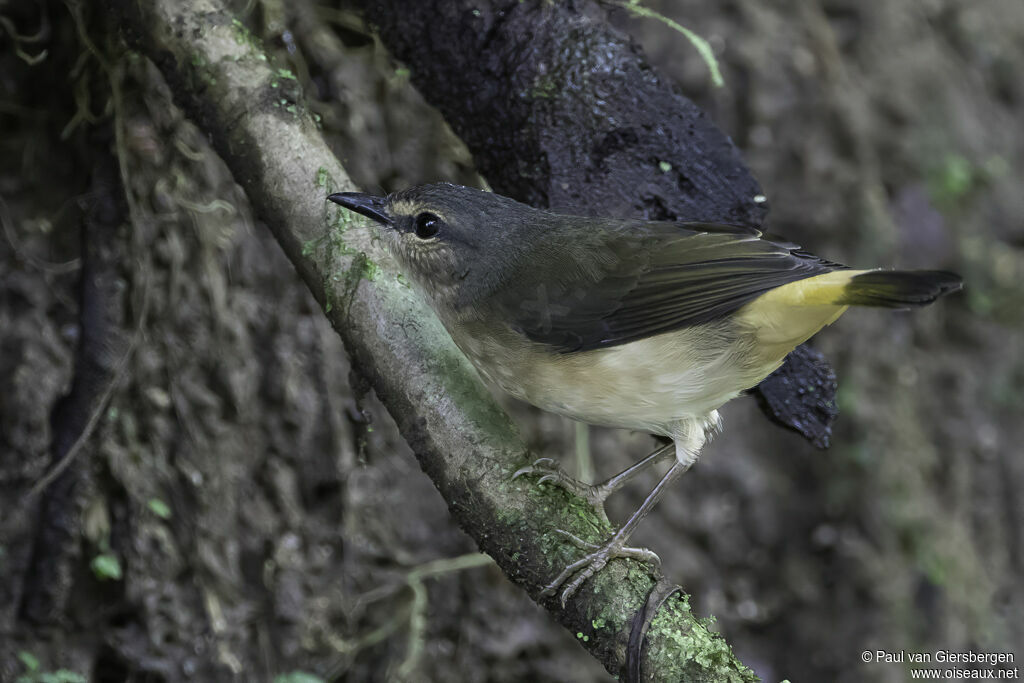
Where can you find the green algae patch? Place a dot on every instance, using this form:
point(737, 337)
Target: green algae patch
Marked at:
point(324, 180)
point(694, 646)
point(243, 36)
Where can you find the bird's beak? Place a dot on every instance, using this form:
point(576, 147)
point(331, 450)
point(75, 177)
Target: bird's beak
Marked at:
point(366, 204)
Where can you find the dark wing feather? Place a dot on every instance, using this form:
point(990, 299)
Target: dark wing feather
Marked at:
point(622, 281)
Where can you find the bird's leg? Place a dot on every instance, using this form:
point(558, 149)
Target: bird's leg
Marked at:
point(613, 484)
point(596, 494)
point(590, 564)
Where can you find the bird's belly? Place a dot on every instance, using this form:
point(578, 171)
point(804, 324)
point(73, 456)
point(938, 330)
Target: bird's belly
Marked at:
point(651, 384)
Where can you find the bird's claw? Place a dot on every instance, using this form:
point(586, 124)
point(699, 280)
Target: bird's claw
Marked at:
point(540, 464)
point(577, 541)
point(584, 568)
point(552, 474)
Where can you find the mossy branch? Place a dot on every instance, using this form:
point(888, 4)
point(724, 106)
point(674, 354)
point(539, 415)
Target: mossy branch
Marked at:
point(259, 124)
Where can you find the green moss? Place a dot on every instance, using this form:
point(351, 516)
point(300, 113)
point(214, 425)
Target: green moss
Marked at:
point(361, 267)
point(508, 517)
point(543, 88)
point(339, 227)
point(373, 270)
point(243, 36)
point(464, 386)
point(696, 645)
point(201, 71)
point(324, 179)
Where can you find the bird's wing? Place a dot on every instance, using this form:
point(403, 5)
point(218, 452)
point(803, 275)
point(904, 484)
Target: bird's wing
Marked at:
point(628, 281)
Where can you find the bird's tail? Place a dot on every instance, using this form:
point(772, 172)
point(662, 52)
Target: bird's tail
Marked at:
point(844, 287)
point(788, 315)
point(897, 288)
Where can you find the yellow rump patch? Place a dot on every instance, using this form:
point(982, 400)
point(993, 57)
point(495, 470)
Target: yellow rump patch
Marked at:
point(785, 317)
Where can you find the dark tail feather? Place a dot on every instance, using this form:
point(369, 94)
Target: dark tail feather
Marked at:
point(899, 288)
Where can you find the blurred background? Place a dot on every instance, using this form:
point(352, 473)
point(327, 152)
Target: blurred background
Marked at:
point(246, 512)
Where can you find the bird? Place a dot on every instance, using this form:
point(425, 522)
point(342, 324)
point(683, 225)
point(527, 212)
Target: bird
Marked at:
point(636, 324)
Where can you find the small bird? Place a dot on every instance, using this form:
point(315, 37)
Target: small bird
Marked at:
point(645, 325)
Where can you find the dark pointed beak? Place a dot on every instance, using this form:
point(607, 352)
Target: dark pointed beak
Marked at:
point(366, 204)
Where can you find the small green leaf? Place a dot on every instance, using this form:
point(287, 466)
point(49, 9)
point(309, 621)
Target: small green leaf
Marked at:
point(298, 677)
point(159, 508)
point(664, 166)
point(30, 661)
point(106, 567)
point(62, 676)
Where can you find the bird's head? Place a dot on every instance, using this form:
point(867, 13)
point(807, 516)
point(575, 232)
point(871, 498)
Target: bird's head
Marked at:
point(457, 243)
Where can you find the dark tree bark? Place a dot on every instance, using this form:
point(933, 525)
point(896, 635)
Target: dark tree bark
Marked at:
point(57, 543)
point(561, 110)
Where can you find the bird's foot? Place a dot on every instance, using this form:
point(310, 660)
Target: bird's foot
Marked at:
point(551, 473)
point(593, 562)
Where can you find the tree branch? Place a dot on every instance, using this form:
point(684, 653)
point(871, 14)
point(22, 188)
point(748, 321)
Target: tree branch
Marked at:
point(255, 116)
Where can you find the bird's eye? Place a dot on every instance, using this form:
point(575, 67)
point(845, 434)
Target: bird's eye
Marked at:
point(427, 225)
